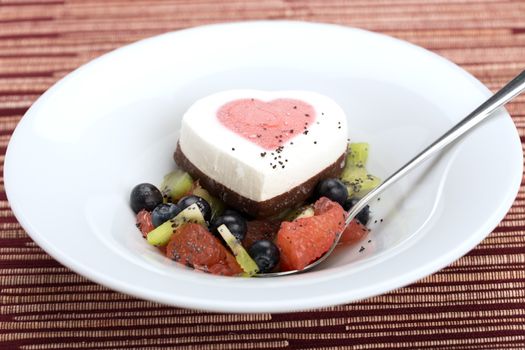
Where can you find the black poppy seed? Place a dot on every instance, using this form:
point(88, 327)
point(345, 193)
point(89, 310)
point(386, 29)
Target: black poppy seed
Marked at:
point(263, 154)
point(294, 107)
point(291, 143)
point(378, 198)
point(339, 127)
point(306, 115)
point(381, 220)
point(280, 162)
point(322, 113)
point(282, 166)
point(291, 131)
point(375, 221)
point(275, 158)
point(275, 166)
point(369, 241)
point(361, 249)
point(233, 149)
point(315, 142)
point(286, 160)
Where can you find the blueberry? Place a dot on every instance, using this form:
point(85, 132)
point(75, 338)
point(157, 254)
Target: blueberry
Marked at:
point(363, 216)
point(333, 189)
point(233, 221)
point(265, 254)
point(349, 203)
point(144, 196)
point(163, 212)
point(231, 212)
point(204, 206)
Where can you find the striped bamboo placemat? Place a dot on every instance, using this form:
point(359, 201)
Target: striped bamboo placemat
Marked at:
point(476, 303)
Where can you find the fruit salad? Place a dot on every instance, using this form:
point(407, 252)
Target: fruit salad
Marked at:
point(198, 230)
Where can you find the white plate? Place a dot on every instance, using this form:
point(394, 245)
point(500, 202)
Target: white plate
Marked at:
point(114, 123)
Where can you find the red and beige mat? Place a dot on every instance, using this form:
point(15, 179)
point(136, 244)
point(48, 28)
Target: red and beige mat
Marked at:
point(476, 303)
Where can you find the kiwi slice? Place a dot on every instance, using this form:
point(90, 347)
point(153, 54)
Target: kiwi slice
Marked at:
point(357, 154)
point(351, 173)
point(248, 265)
point(358, 182)
point(305, 211)
point(175, 185)
point(355, 176)
point(217, 206)
point(162, 234)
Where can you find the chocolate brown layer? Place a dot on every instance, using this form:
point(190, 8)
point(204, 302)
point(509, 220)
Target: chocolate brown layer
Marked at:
point(269, 207)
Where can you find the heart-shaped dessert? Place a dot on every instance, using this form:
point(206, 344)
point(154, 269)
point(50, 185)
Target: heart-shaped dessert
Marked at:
point(262, 152)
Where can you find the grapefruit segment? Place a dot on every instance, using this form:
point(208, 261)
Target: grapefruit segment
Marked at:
point(304, 240)
point(194, 246)
point(354, 232)
point(144, 222)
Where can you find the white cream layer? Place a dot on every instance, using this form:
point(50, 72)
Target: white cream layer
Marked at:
point(208, 145)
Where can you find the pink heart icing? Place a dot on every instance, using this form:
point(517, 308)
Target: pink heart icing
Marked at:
point(268, 124)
